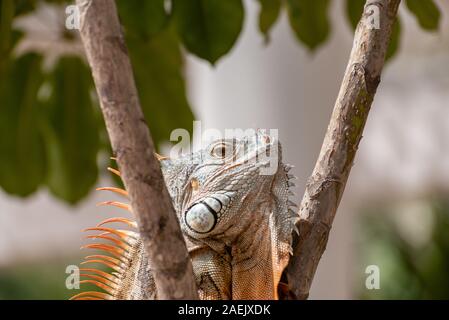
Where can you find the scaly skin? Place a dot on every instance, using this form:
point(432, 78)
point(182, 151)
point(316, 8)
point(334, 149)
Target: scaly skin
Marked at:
point(237, 224)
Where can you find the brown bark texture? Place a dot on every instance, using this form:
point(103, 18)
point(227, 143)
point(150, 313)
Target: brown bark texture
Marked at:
point(325, 187)
point(164, 244)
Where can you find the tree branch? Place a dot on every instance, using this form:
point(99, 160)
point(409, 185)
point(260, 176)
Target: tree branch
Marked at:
point(326, 185)
point(130, 138)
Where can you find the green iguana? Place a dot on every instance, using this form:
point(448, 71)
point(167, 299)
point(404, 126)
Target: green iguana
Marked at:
point(236, 221)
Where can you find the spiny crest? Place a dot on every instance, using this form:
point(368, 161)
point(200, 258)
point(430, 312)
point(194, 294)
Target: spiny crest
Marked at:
point(284, 218)
point(286, 228)
point(117, 246)
point(292, 206)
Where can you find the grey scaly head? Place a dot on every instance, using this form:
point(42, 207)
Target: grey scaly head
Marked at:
point(232, 203)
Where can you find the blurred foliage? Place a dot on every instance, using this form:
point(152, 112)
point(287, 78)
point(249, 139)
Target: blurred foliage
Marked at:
point(51, 131)
point(38, 281)
point(143, 18)
point(22, 160)
point(34, 281)
point(71, 133)
point(413, 262)
point(309, 20)
point(426, 12)
point(208, 28)
point(269, 13)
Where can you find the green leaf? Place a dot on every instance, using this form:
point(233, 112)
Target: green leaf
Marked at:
point(24, 6)
point(395, 40)
point(158, 69)
point(71, 132)
point(269, 13)
point(19, 6)
point(142, 18)
point(208, 28)
point(8, 35)
point(6, 17)
point(58, 1)
point(22, 155)
point(354, 11)
point(426, 12)
point(309, 20)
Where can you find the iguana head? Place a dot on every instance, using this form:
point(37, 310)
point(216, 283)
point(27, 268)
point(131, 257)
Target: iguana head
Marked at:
point(224, 179)
point(234, 194)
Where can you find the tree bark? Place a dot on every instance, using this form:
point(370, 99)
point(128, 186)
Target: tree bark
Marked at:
point(325, 187)
point(107, 54)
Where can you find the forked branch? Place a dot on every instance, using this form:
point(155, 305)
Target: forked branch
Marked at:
point(326, 185)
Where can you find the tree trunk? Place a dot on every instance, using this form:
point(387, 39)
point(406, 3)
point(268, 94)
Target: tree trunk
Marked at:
point(131, 142)
point(326, 185)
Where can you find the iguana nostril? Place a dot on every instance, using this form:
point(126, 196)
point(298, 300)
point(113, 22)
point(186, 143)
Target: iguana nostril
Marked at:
point(200, 218)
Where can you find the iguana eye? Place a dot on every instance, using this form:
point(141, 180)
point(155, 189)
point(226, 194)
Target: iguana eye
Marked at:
point(222, 150)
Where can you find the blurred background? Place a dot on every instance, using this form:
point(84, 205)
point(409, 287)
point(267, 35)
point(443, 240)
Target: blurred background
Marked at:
point(275, 64)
